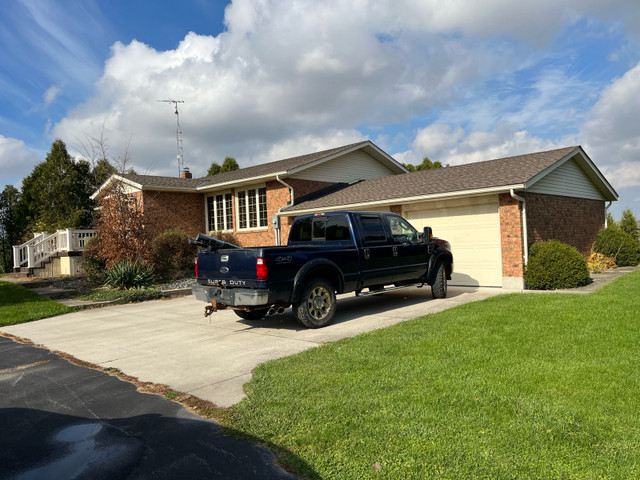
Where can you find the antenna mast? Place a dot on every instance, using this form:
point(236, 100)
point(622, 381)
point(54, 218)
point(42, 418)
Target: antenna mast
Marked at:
point(179, 156)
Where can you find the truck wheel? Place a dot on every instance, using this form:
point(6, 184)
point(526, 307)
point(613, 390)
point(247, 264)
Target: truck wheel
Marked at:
point(317, 305)
point(439, 286)
point(252, 314)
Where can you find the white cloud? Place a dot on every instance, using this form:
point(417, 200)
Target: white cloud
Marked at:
point(15, 159)
point(50, 95)
point(283, 71)
point(611, 130)
point(453, 146)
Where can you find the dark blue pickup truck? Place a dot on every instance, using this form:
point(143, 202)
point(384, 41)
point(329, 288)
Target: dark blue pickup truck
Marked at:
point(327, 253)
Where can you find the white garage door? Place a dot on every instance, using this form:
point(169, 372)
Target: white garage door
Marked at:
point(472, 226)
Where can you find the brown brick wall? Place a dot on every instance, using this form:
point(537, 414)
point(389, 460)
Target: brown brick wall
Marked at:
point(575, 221)
point(511, 236)
point(164, 210)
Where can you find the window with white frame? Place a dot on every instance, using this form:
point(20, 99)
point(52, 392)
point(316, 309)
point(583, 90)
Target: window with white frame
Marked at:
point(220, 212)
point(252, 208)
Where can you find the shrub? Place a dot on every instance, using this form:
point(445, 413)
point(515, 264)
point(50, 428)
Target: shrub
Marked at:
point(618, 244)
point(94, 264)
point(598, 262)
point(228, 237)
point(173, 254)
point(553, 264)
point(127, 274)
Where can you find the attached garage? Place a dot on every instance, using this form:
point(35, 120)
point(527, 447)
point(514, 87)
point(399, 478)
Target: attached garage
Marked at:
point(491, 212)
point(472, 226)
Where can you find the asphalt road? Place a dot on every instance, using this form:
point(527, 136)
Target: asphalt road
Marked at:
point(62, 421)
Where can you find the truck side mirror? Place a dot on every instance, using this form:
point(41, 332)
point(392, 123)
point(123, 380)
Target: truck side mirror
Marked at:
point(427, 235)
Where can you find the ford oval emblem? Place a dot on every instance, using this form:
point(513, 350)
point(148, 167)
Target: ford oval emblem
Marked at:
point(224, 270)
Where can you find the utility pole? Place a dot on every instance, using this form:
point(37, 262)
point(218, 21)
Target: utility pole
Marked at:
point(179, 156)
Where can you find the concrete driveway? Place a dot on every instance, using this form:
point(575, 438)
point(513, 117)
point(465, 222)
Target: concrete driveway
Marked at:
point(170, 342)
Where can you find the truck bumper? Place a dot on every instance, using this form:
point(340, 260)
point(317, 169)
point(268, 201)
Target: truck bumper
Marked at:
point(232, 297)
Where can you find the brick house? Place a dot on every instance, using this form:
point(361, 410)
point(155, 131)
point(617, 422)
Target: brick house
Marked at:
point(491, 211)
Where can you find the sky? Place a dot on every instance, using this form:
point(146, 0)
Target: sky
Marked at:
point(262, 80)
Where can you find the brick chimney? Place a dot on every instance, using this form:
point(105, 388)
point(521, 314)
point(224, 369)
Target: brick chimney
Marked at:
point(185, 173)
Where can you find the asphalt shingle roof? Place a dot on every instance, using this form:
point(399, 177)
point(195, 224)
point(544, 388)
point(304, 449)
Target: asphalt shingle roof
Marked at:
point(473, 176)
point(265, 169)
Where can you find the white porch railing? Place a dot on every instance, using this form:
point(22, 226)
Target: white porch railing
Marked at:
point(44, 245)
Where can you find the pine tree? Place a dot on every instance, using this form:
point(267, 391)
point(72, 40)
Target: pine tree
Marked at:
point(629, 224)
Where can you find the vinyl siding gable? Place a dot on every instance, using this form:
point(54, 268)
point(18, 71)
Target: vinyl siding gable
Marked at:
point(568, 180)
point(348, 168)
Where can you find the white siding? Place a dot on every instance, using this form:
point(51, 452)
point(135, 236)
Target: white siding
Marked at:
point(347, 168)
point(568, 180)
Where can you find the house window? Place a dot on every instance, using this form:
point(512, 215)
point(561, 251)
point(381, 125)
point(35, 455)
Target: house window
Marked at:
point(220, 212)
point(252, 208)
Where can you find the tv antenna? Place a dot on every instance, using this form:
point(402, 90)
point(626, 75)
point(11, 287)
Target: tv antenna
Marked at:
point(179, 156)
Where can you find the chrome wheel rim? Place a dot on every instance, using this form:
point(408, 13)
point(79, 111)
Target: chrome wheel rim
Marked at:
point(319, 303)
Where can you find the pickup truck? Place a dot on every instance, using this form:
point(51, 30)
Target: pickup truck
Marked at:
point(327, 253)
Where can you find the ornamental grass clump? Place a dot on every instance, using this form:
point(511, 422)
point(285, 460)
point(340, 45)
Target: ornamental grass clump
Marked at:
point(126, 275)
point(553, 264)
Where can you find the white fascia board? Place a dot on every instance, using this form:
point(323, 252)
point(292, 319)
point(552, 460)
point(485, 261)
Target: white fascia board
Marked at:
point(110, 180)
point(417, 199)
point(239, 183)
point(592, 172)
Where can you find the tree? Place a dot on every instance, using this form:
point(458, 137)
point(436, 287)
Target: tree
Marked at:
point(214, 169)
point(425, 165)
point(629, 224)
point(611, 223)
point(11, 225)
point(120, 228)
point(102, 171)
point(57, 192)
point(228, 165)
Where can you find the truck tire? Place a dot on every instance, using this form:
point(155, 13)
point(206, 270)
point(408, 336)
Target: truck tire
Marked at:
point(439, 286)
point(317, 305)
point(252, 314)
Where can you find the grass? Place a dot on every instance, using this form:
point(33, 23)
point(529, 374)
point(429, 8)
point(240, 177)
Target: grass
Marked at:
point(18, 305)
point(516, 386)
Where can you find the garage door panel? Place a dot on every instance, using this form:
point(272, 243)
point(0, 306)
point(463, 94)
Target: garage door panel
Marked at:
point(473, 230)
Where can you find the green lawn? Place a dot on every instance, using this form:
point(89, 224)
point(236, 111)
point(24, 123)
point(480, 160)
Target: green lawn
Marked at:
point(516, 386)
point(18, 305)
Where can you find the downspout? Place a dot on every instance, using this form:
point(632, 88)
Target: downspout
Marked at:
point(524, 224)
point(605, 214)
point(276, 217)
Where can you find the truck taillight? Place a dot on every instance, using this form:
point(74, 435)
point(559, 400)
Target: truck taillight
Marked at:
point(261, 269)
point(196, 267)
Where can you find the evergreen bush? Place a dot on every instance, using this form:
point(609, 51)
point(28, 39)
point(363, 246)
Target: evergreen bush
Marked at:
point(127, 275)
point(618, 244)
point(553, 264)
point(173, 255)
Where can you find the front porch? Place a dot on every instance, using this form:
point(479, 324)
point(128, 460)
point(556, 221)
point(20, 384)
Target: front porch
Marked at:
point(51, 254)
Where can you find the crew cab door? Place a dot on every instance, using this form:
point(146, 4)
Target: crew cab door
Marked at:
point(409, 255)
point(376, 254)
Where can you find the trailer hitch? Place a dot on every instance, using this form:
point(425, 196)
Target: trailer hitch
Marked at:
point(209, 309)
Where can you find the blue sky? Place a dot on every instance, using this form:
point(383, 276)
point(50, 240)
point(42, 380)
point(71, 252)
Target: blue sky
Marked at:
point(264, 79)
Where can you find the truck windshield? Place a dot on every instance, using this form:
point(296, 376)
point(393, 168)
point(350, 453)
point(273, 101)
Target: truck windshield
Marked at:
point(321, 228)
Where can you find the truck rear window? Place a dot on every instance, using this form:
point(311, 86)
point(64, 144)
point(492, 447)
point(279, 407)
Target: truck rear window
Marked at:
point(333, 228)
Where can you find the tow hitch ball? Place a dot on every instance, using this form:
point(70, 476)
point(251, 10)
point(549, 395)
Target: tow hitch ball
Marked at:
point(209, 309)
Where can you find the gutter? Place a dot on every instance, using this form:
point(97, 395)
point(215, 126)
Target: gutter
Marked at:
point(276, 217)
point(606, 211)
point(524, 224)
